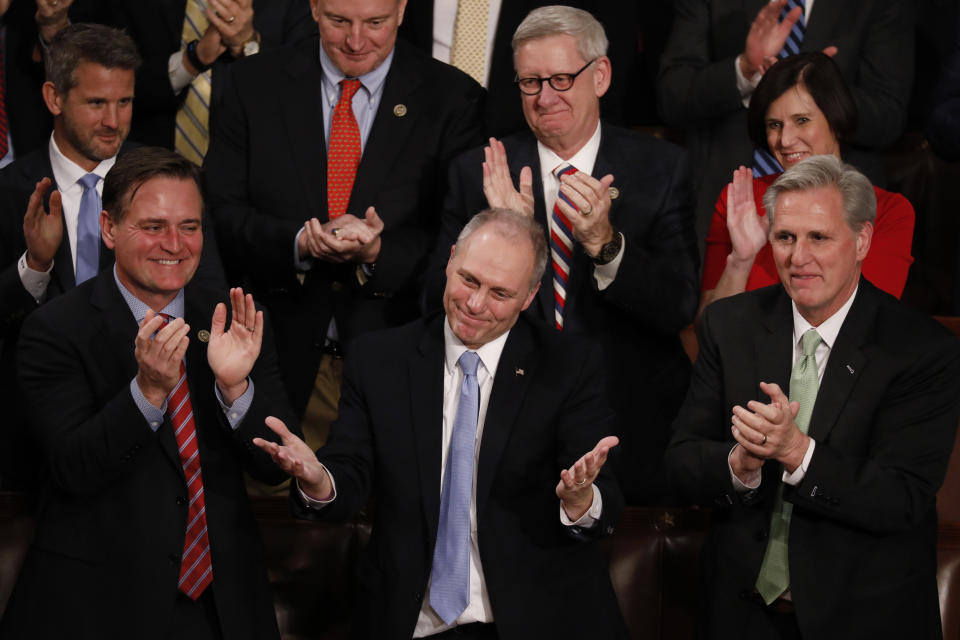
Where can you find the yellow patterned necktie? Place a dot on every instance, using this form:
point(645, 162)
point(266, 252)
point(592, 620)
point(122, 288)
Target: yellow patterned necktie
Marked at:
point(192, 134)
point(469, 50)
point(774, 577)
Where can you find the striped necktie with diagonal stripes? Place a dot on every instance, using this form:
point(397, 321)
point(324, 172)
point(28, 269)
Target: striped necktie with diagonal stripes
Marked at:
point(763, 161)
point(196, 570)
point(561, 248)
point(193, 118)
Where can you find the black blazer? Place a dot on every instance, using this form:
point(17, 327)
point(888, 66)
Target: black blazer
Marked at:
point(546, 410)
point(863, 531)
point(637, 319)
point(266, 175)
point(113, 512)
point(697, 87)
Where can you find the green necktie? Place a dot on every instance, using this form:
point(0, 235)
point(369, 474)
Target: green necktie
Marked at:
point(774, 576)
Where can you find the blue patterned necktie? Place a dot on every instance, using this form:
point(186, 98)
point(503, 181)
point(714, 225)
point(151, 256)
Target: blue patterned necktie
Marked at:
point(88, 229)
point(450, 576)
point(763, 161)
point(774, 577)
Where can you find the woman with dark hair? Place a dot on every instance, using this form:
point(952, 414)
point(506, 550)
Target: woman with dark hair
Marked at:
point(801, 108)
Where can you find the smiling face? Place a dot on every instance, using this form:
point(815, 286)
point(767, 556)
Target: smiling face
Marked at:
point(818, 256)
point(358, 35)
point(562, 120)
point(158, 240)
point(92, 119)
point(488, 285)
point(797, 129)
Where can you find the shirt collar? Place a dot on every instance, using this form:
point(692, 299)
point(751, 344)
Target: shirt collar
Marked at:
point(372, 81)
point(829, 329)
point(583, 159)
point(489, 353)
point(67, 172)
point(139, 309)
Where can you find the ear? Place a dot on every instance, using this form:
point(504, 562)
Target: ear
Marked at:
point(864, 238)
point(601, 75)
point(108, 230)
point(400, 10)
point(530, 297)
point(315, 10)
point(52, 98)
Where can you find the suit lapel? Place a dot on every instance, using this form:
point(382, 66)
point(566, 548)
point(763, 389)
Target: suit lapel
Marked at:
point(302, 112)
point(506, 399)
point(772, 346)
point(846, 362)
point(426, 393)
point(817, 34)
point(390, 131)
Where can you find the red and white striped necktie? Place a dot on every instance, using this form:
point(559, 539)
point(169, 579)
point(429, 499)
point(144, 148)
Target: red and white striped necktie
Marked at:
point(561, 248)
point(196, 570)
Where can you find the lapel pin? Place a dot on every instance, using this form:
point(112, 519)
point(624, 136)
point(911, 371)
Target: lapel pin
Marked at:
point(614, 193)
point(400, 110)
point(850, 369)
point(203, 335)
point(519, 371)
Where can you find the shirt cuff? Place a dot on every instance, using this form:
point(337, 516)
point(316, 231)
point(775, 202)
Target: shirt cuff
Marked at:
point(300, 264)
point(319, 504)
point(589, 518)
point(753, 481)
point(178, 74)
point(236, 412)
point(745, 85)
point(605, 274)
point(800, 472)
point(151, 414)
point(35, 282)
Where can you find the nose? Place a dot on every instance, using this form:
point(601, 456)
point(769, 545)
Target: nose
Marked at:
point(801, 253)
point(171, 241)
point(355, 37)
point(475, 301)
point(788, 135)
point(111, 116)
point(548, 95)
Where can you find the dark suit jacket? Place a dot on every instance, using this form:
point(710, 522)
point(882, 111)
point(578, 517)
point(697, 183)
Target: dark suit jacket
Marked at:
point(698, 89)
point(266, 175)
point(17, 182)
point(637, 318)
point(503, 114)
point(387, 442)
point(156, 27)
point(28, 119)
point(113, 511)
point(863, 532)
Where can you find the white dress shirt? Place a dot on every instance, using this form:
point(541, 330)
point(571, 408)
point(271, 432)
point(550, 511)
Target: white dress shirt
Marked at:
point(66, 175)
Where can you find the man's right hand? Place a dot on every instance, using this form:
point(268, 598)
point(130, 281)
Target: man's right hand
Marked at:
point(766, 37)
point(41, 230)
point(498, 186)
point(159, 356)
point(296, 458)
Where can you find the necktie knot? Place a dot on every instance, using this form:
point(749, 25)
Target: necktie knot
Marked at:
point(810, 341)
point(89, 181)
point(563, 170)
point(469, 361)
point(349, 87)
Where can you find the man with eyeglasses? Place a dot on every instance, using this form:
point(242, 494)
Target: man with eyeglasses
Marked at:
point(624, 258)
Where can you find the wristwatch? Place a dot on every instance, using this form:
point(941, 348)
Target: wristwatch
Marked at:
point(252, 46)
point(609, 251)
point(194, 58)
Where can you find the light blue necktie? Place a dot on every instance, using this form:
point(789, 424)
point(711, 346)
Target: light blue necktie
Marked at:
point(763, 161)
point(450, 584)
point(88, 229)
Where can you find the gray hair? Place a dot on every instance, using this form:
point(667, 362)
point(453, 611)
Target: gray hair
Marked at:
point(513, 226)
point(96, 43)
point(560, 20)
point(816, 172)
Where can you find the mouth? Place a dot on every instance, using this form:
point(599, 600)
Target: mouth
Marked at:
point(793, 158)
point(167, 263)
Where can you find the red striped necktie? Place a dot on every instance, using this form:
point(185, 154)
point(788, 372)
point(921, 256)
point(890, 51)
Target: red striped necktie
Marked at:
point(561, 248)
point(196, 570)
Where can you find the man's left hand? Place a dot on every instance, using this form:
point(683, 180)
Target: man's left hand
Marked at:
point(346, 238)
point(231, 354)
point(769, 430)
point(590, 213)
point(575, 488)
point(234, 20)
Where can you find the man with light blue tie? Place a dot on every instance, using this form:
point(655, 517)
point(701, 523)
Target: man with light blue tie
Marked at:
point(50, 198)
point(459, 426)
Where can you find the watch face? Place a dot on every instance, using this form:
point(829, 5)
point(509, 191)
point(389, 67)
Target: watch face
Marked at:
point(251, 48)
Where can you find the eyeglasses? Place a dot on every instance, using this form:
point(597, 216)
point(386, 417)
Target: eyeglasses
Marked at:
point(558, 81)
